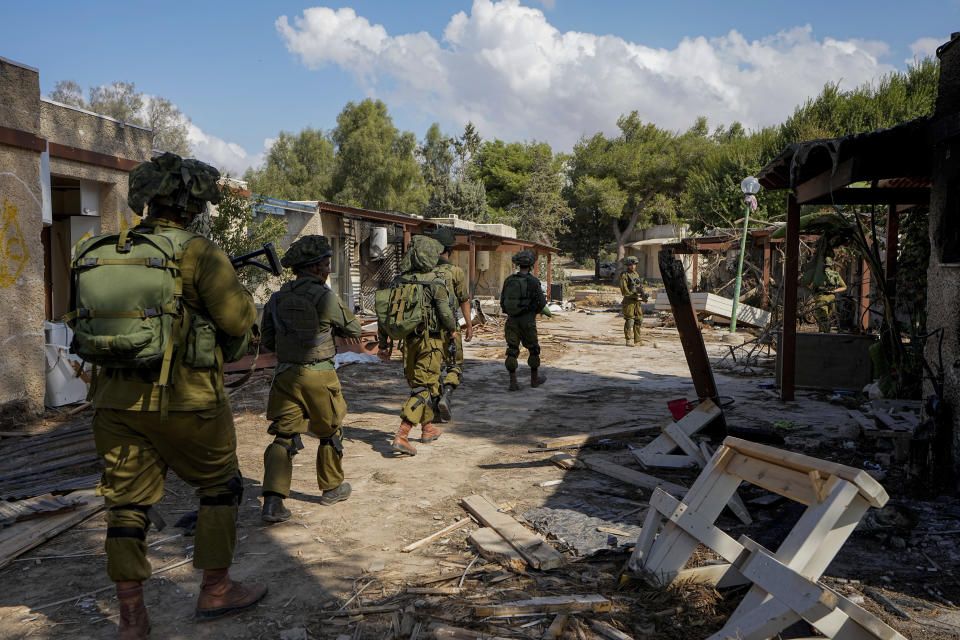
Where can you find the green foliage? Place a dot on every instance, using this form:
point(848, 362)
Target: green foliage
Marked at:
point(376, 165)
point(298, 167)
point(237, 231)
point(464, 198)
point(450, 191)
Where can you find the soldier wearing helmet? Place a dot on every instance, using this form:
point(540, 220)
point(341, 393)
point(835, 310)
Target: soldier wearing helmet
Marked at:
point(299, 324)
point(177, 416)
point(631, 287)
point(521, 298)
point(456, 283)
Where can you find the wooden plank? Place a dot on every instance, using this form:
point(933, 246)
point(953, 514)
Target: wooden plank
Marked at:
point(86, 458)
point(721, 576)
point(35, 532)
point(593, 436)
point(534, 549)
point(636, 478)
point(648, 534)
point(865, 423)
point(495, 549)
point(868, 486)
point(806, 597)
point(691, 522)
point(433, 536)
point(549, 604)
point(447, 632)
point(665, 460)
point(735, 503)
point(701, 415)
point(894, 423)
point(608, 631)
point(556, 627)
point(688, 446)
point(564, 461)
point(786, 482)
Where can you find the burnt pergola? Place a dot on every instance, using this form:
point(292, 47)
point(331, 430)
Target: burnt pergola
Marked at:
point(891, 168)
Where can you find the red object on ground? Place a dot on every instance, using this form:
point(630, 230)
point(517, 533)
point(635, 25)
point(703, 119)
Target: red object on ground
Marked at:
point(679, 408)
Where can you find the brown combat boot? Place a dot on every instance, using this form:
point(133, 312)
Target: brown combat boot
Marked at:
point(536, 380)
point(514, 383)
point(400, 442)
point(430, 433)
point(134, 624)
point(219, 595)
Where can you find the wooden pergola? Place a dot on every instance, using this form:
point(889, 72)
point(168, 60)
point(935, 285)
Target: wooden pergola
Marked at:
point(889, 167)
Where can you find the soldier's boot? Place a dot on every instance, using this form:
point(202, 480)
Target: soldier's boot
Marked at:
point(514, 383)
point(273, 509)
point(430, 433)
point(400, 442)
point(338, 494)
point(535, 379)
point(443, 404)
point(219, 595)
point(134, 623)
point(629, 342)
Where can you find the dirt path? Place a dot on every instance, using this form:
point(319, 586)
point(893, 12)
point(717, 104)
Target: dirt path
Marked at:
point(316, 560)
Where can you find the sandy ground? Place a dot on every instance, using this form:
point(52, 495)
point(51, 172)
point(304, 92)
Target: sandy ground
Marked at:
point(316, 560)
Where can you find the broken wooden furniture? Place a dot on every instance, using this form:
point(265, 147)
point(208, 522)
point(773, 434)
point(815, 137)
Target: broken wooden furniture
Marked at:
point(785, 583)
point(679, 436)
point(721, 307)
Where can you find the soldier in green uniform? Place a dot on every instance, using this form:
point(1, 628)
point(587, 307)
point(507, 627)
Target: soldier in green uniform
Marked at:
point(631, 287)
point(422, 349)
point(825, 295)
point(299, 323)
point(456, 283)
point(521, 298)
point(142, 427)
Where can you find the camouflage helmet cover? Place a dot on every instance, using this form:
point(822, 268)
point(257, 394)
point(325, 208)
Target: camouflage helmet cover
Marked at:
point(445, 236)
point(169, 180)
point(630, 260)
point(307, 250)
point(524, 258)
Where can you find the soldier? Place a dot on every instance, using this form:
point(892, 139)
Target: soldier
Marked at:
point(299, 323)
point(423, 348)
point(522, 299)
point(175, 416)
point(456, 283)
point(632, 289)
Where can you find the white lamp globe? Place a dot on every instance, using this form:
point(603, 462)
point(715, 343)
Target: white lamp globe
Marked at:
point(750, 185)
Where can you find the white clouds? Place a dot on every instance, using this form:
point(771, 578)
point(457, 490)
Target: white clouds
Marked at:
point(516, 76)
point(228, 157)
point(924, 47)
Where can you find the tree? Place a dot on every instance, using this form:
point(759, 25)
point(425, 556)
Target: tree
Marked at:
point(297, 167)
point(437, 159)
point(237, 231)
point(465, 146)
point(121, 101)
point(543, 213)
point(376, 166)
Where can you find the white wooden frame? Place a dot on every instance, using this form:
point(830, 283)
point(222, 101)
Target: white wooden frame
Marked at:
point(785, 584)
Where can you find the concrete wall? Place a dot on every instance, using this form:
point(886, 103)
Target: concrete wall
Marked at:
point(22, 253)
point(22, 368)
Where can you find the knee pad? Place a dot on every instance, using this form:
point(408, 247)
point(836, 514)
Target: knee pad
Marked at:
point(228, 494)
point(335, 441)
point(629, 323)
point(535, 351)
point(289, 441)
point(128, 521)
point(422, 394)
point(513, 350)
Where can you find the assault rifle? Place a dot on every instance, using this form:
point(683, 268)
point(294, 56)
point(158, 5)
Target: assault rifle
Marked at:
point(247, 259)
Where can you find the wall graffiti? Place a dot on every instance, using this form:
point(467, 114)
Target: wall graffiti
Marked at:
point(13, 250)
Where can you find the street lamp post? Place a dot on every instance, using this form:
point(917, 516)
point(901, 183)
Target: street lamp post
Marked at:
point(750, 186)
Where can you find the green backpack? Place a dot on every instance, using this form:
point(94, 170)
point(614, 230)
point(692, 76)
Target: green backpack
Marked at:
point(126, 307)
point(404, 308)
point(514, 300)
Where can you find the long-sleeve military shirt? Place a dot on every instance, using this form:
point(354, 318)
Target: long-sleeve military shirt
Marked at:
point(332, 315)
point(631, 286)
point(210, 287)
point(456, 283)
point(537, 299)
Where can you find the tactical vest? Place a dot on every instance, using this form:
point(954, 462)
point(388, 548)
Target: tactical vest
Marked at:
point(445, 269)
point(635, 283)
point(294, 312)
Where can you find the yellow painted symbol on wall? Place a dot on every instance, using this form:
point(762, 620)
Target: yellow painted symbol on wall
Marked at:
point(13, 250)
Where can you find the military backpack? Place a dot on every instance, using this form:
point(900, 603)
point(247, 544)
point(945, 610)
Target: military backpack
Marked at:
point(126, 299)
point(515, 300)
point(405, 308)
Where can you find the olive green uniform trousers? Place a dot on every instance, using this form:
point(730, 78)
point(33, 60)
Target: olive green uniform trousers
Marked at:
point(453, 363)
point(138, 449)
point(632, 319)
point(826, 308)
point(303, 399)
point(525, 333)
point(422, 358)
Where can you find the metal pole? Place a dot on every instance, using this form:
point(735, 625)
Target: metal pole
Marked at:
point(736, 287)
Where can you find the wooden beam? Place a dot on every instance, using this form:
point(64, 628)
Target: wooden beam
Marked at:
point(791, 267)
point(919, 196)
point(534, 549)
point(625, 474)
point(473, 270)
point(575, 439)
point(826, 183)
point(495, 549)
point(893, 232)
point(588, 602)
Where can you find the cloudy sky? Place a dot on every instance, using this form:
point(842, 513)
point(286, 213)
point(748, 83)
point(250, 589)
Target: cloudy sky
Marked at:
point(550, 70)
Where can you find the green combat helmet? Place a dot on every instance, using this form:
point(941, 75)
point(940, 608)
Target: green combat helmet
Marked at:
point(524, 258)
point(306, 251)
point(170, 181)
point(630, 260)
point(445, 236)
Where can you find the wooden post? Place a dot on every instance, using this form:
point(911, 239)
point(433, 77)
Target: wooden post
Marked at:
point(406, 238)
point(766, 272)
point(893, 231)
point(695, 276)
point(791, 268)
point(865, 296)
point(536, 264)
point(473, 267)
point(550, 275)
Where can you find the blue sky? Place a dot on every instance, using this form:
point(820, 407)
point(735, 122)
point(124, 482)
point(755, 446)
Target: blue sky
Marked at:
point(533, 69)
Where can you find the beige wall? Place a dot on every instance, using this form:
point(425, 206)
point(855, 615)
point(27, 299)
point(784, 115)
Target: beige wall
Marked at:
point(22, 371)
